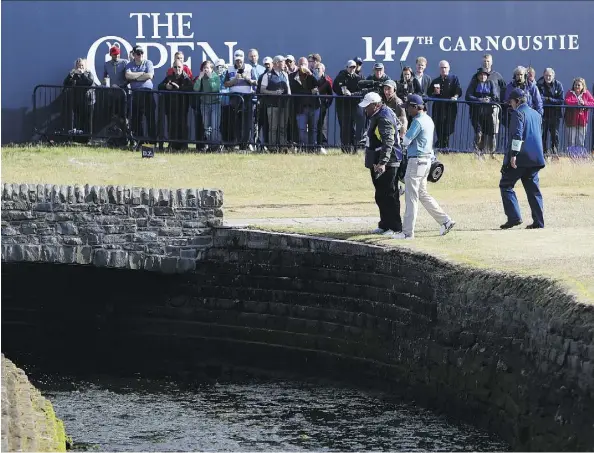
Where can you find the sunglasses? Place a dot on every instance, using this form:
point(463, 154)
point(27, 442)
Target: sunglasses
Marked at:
point(178, 67)
point(352, 67)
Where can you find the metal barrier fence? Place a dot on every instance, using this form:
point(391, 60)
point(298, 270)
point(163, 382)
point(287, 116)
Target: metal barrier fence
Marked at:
point(181, 120)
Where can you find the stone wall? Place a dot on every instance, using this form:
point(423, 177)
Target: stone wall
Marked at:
point(512, 354)
point(124, 227)
point(28, 419)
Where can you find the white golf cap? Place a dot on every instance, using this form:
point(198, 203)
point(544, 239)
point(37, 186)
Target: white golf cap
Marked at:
point(290, 57)
point(238, 54)
point(370, 98)
point(267, 60)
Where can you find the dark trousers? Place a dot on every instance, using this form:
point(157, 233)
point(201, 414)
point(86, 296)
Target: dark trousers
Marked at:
point(241, 117)
point(550, 126)
point(346, 112)
point(143, 107)
point(444, 118)
point(387, 199)
point(529, 178)
point(323, 126)
point(177, 124)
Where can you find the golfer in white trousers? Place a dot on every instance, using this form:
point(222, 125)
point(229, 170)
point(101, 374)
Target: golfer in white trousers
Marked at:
point(419, 140)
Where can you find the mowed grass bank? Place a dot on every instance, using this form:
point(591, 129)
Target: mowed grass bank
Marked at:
point(284, 186)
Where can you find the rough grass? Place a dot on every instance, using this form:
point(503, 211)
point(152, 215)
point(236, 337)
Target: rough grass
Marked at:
point(263, 186)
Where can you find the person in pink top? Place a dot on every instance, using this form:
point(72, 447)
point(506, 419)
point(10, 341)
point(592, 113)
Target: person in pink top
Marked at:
point(581, 102)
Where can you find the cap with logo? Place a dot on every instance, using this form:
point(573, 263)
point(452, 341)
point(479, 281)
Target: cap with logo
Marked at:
point(351, 63)
point(115, 50)
point(290, 58)
point(517, 93)
point(137, 49)
point(221, 62)
point(414, 99)
point(378, 66)
point(267, 60)
point(358, 60)
point(370, 98)
point(238, 54)
point(389, 83)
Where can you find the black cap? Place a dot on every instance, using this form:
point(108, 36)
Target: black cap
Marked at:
point(358, 60)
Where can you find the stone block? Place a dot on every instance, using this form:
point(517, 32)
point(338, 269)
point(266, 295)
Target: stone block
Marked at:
point(135, 260)
point(163, 211)
point(139, 211)
point(118, 258)
point(101, 258)
point(112, 195)
point(170, 232)
point(66, 228)
point(31, 253)
point(72, 240)
point(49, 253)
point(9, 231)
point(188, 253)
point(169, 264)
point(202, 241)
point(186, 265)
point(79, 194)
point(152, 263)
point(135, 195)
point(28, 228)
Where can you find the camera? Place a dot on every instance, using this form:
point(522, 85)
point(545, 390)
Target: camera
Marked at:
point(240, 71)
point(368, 86)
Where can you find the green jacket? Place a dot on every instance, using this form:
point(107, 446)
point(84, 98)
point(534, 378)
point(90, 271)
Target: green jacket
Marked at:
point(210, 84)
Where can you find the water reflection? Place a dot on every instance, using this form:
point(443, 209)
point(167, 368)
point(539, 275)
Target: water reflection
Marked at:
point(255, 415)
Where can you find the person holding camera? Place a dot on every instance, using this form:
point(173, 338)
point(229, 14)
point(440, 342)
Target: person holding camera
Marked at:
point(177, 105)
point(523, 161)
point(396, 104)
point(80, 101)
point(383, 156)
point(239, 80)
point(140, 73)
point(345, 86)
point(418, 139)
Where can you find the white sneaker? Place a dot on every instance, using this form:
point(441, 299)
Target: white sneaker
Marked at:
point(388, 233)
point(378, 231)
point(446, 227)
point(401, 235)
point(323, 151)
point(251, 147)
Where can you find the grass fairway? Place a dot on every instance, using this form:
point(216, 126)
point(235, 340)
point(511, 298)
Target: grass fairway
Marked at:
point(258, 186)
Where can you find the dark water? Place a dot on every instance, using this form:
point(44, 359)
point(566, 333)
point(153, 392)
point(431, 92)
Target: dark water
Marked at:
point(110, 414)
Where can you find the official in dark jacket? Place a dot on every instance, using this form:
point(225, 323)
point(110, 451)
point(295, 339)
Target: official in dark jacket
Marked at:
point(553, 98)
point(383, 156)
point(523, 161)
point(446, 88)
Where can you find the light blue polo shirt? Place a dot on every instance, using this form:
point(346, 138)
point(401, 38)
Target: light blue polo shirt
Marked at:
point(419, 137)
point(145, 66)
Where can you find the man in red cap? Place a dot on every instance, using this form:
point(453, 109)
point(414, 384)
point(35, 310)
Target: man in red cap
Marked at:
point(115, 69)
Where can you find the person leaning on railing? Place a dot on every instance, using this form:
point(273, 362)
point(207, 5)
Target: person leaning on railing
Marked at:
point(275, 86)
point(581, 102)
point(553, 97)
point(176, 104)
point(79, 100)
point(208, 81)
point(483, 97)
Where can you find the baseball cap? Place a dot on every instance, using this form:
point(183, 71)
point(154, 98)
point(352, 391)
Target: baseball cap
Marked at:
point(290, 58)
point(358, 60)
point(517, 93)
point(389, 83)
point(378, 66)
point(238, 54)
point(414, 99)
point(220, 62)
point(267, 60)
point(278, 59)
point(370, 98)
point(136, 49)
point(115, 50)
point(482, 71)
point(351, 63)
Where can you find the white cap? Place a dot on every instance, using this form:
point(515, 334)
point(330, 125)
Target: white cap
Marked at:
point(290, 57)
point(267, 60)
point(351, 63)
point(370, 98)
point(238, 54)
point(221, 62)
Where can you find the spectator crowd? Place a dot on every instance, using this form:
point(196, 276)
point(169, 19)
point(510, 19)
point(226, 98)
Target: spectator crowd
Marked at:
point(284, 102)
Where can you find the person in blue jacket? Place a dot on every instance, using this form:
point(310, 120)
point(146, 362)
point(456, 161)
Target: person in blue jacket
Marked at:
point(523, 161)
point(520, 80)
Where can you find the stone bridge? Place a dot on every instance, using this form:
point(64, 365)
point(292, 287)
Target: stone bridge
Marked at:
point(512, 354)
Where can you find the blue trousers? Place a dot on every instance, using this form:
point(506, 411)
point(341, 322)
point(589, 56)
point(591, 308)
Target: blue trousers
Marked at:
point(529, 178)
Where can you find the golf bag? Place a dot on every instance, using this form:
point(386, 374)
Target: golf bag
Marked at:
point(435, 174)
